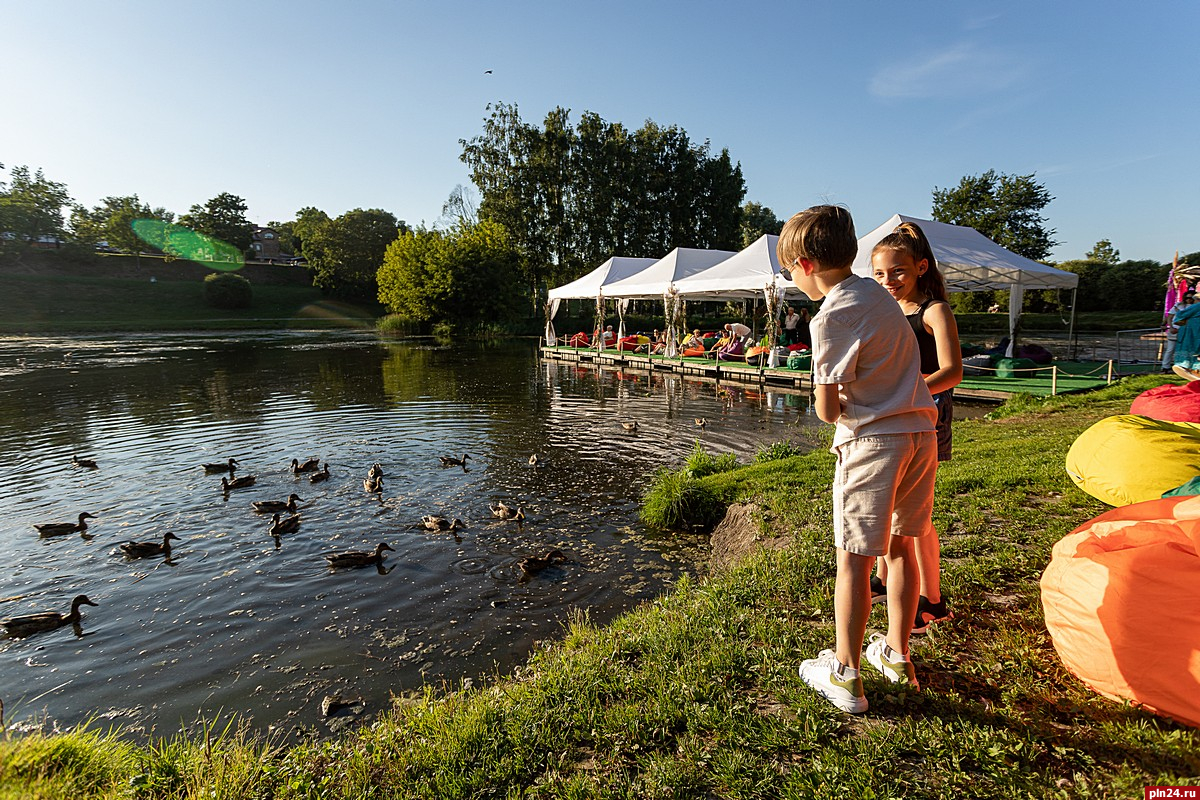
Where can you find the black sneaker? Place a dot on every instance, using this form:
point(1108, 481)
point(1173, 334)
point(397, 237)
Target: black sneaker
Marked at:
point(929, 613)
point(878, 590)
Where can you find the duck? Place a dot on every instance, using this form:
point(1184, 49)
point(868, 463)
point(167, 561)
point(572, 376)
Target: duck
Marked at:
point(701, 422)
point(265, 506)
point(147, 549)
point(506, 512)
point(87, 463)
point(62, 528)
point(229, 466)
point(376, 470)
point(311, 465)
point(533, 460)
point(373, 485)
point(323, 475)
point(451, 461)
point(286, 525)
point(630, 426)
point(237, 483)
point(531, 565)
point(434, 522)
point(46, 621)
point(358, 558)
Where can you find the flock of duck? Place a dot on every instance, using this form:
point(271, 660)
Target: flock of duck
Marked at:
point(21, 626)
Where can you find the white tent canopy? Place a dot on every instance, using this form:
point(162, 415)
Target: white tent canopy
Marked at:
point(971, 262)
point(658, 278)
point(745, 274)
point(968, 260)
point(592, 284)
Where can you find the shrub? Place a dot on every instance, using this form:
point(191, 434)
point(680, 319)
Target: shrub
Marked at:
point(226, 290)
point(701, 463)
point(777, 451)
point(678, 501)
point(397, 325)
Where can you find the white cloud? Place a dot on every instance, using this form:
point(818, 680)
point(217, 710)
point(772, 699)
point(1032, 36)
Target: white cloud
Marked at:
point(963, 70)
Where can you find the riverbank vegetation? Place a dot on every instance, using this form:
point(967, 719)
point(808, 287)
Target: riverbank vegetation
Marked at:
point(697, 693)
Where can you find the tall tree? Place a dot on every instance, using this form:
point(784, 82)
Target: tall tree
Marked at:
point(1004, 208)
point(31, 209)
point(1104, 252)
point(292, 234)
point(112, 222)
point(757, 219)
point(466, 275)
point(345, 253)
point(224, 218)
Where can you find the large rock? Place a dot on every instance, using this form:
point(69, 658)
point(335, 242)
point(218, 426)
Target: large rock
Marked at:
point(739, 534)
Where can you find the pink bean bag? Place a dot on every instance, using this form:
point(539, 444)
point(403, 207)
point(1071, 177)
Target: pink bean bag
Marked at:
point(1169, 402)
point(1123, 609)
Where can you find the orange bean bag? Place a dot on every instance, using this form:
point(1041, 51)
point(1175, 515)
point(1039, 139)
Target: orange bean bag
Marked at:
point(1130, 459)
point(1169, 402)
point(1122, 605)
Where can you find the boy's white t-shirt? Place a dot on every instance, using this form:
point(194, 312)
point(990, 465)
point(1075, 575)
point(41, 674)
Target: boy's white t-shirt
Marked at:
point(862, 340)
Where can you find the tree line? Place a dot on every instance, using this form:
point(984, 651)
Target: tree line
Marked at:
point(556, 200)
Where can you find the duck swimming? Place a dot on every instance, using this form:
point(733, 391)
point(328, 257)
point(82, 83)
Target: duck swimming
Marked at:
point(373, 485)
point(358, 558)
point(531, 565)
point(701, 422)
point(533, 460)
point(503, 511)
point(451, 461)
point(286, 525)
point(630, 426)
point(266, 506)
point(62, 528)
point(311, 465)
point(147, 549)
point(230, 467)
point(434, 522)
point(376, 471)
point(86, 463)
point(46, 621)
point(323, 475)
point(237, 483)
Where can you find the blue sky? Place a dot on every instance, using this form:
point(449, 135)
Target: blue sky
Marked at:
point(872, 105)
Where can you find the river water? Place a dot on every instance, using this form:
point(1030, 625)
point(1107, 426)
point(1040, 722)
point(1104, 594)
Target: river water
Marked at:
point(238, 622)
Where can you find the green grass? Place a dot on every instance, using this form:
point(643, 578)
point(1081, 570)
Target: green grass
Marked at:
point(1090, 321)
point(696, 694)
point(81, 304)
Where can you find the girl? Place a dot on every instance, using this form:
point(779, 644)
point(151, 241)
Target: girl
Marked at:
point(904, 264)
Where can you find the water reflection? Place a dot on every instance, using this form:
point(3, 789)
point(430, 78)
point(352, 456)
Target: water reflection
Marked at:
point(240, 620)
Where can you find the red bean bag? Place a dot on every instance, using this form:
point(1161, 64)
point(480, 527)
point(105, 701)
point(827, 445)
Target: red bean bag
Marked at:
point(1169, 402)
point(1122, 606)
point(580, 340)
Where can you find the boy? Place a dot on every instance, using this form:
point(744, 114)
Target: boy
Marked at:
point(867, 380)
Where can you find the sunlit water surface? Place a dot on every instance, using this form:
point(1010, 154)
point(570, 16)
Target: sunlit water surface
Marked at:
point(239, 622)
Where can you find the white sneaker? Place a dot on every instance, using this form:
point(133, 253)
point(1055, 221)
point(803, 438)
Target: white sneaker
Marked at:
point(840, 685)
point(1184, 372)
point(893, 666)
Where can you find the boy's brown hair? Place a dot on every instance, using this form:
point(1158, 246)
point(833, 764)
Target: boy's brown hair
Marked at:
point(824, 234)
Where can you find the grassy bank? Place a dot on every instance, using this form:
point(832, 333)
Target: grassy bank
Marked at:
point(87, 304)
point(697, 695)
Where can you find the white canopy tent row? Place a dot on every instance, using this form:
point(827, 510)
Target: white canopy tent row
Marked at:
point(971, 262)
point(591, 286)
point(659, 280)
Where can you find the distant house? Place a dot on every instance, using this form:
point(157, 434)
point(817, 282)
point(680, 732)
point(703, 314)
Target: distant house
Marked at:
point(265, 243)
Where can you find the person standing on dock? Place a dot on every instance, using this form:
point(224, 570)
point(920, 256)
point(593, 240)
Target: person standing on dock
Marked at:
point(866, 370)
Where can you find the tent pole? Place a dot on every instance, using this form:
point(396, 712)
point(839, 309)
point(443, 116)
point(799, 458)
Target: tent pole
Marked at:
point(1071, 327)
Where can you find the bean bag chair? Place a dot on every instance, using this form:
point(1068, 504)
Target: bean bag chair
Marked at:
point(734, 351)
point(580, 340)
point(694, 352)
point(632, 342)
point(1122, 607)
point(757, 356)
point(972, 364)
point(1169, 402)
point(1130, 459)
point(1016, 368)
point(799, 360)
point(1035, 353)
point(800, 346)
point(1189, 488)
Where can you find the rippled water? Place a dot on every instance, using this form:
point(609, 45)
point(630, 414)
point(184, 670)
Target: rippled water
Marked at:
point(240, 622)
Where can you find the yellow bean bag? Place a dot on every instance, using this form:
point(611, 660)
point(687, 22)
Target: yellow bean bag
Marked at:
point(1123, 607)
point(1129, 459)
